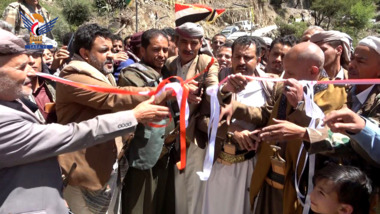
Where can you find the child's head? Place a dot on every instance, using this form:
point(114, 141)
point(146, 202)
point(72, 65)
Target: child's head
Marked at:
point(340, 189)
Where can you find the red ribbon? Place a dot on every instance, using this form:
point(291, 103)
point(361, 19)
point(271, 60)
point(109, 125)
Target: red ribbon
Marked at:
point(182, 122)
point(90, 87)
point(336, 82)
point(185, 93)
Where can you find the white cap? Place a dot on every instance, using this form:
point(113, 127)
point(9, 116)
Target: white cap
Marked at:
point(268, 41)
point(371, 42)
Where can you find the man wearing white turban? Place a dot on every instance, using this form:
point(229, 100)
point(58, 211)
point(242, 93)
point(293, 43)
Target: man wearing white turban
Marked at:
point(364, 100)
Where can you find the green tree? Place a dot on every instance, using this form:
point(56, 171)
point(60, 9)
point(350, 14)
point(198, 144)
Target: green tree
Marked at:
point(359, 15)
point(61, 27)
point(326, 10)
point(76, 12)
point(343, 13)
point(107, 6)
point(4, 4)
point(295, 28)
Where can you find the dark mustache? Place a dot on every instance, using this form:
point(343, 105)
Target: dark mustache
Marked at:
point(188, 52)
point(108, 61)
point(241, 67)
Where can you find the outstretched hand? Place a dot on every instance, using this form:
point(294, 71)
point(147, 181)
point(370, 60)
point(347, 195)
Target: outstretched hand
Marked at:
point(344, 120)
point(247, 140)
point(147, 112)
point(282, 130)
point(227, 112)
point(235, 83)
point(195, 92)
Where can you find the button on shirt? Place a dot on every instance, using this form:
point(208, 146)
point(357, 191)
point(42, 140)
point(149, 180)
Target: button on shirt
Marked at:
point(182, 70)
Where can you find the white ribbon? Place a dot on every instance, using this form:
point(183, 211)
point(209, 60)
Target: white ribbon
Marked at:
point(314, 112)
point(114, 188)
point(212, 91)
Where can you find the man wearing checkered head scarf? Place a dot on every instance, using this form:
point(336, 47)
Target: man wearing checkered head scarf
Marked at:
point(337, 47)
point(190, 62)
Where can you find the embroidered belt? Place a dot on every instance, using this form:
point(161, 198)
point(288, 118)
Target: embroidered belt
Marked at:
point(229, 159)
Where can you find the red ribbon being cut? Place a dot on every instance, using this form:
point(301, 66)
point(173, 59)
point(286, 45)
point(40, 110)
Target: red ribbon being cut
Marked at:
point(182, 117)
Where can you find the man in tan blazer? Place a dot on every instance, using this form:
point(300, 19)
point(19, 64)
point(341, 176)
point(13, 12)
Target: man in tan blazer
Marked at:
point(88, 171)
point(190, 62)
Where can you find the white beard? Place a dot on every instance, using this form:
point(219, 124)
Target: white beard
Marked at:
point(11, 89)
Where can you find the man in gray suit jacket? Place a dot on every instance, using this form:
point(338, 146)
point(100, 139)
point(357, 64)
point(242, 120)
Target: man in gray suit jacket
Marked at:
point(30, 177)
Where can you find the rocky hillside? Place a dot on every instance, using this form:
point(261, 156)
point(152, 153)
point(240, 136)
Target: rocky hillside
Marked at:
point(262, 14)
point(160, 14)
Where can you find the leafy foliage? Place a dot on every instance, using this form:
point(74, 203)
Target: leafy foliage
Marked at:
point(107, 6)
point(4, 4)
point(359, 15)
point(325, 10)
point(343, 13)
point(62, 26)
point(76, 12)
point(295, 28)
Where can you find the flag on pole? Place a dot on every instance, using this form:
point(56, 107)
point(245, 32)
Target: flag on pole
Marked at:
point(127, 2)
point(195, 13)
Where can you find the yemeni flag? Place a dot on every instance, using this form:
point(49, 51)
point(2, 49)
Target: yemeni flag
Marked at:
point(127, 2)
point(195, 13)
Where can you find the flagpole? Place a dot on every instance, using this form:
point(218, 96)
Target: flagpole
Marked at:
point(137, 16)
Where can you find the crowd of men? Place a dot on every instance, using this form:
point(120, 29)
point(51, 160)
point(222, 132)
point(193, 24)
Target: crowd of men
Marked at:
point(69, 149)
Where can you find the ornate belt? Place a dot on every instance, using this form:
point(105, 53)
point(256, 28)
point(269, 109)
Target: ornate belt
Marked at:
point(229, 159)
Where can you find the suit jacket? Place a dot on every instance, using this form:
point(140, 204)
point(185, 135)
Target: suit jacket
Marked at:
point(370, 109)
point(94, 164)
point(332, 98)
point(30, 177)
point(210, 78)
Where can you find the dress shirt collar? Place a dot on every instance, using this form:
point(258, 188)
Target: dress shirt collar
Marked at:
point(340, 75)
point(362, 96)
